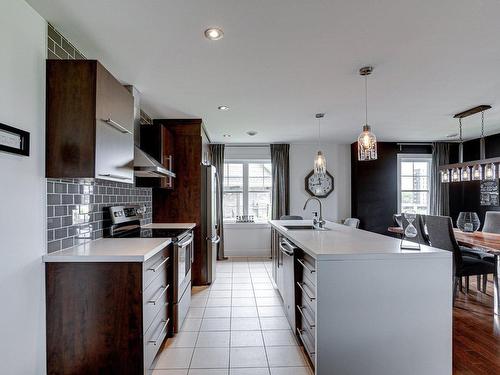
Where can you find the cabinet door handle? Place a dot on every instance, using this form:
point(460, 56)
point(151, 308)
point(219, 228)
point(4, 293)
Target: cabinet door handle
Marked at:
point(155, 342)
point(117, 176)
point(285, 251)
point(161, 263)
point(301, 286)
point(182, 245)
point(303, 264)
point(301, 308)
point(117, 126)
point(162, 290)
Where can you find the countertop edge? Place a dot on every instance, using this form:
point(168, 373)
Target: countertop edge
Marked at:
point(409, 254)
point(186, 226)
point(54, 258)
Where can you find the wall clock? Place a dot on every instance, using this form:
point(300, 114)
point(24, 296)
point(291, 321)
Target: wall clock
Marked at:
point(320, 187)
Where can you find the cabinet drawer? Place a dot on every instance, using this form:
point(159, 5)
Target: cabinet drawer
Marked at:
point(308, 290)
point(307, 316)
point(308, 344)
point(155, 298)
point(308, 266)
point(154, 266)
point(154, 336)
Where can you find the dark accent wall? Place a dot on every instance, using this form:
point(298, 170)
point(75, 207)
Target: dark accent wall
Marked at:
point(77, 208)
point(465, 196)
point(374, 195)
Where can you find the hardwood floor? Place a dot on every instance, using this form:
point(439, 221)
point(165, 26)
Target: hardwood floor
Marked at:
point(476, 333)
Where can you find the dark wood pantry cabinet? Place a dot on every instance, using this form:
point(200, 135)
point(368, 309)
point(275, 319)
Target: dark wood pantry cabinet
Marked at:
point(183, 203)
point(89, 123)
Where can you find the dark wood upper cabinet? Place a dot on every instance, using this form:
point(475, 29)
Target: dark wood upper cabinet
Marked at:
point(89, 123)
point(158, 141)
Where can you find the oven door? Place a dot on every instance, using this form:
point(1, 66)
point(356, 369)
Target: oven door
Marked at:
point(184, 253)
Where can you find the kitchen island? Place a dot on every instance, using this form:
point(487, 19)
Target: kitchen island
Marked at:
point(361, 305)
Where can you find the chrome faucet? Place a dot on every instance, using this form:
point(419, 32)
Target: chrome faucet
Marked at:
point(318, 223)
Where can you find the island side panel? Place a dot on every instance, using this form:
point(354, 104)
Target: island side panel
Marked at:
point(94, 318)
point(385, 317)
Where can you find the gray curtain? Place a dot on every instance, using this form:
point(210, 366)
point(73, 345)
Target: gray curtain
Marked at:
point(217, 151)
point(281, 180)
point(440, 199)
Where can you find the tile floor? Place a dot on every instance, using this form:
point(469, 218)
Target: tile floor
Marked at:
point(235, 327)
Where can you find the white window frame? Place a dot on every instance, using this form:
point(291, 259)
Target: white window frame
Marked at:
point(245, 181)
point(414, 157)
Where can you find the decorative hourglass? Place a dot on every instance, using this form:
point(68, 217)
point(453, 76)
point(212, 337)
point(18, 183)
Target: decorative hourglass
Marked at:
point(410, 239)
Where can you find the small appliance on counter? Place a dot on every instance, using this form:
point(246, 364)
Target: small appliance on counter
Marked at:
point(126, 224)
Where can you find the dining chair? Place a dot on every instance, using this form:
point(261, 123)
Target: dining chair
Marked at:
point(491, 225)
point(441, 235)
point(351, 222)
point(422, 237)
point(397, 220)
point(492, 222)
point(291, 217)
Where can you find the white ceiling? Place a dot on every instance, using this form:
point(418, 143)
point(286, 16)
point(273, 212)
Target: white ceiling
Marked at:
point(281, 61)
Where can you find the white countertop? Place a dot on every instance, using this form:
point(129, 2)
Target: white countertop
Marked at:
point(341, 242)
point(169, 225)
point(110, 250)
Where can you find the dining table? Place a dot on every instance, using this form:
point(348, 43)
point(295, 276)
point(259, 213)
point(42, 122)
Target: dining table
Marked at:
point(488, 242)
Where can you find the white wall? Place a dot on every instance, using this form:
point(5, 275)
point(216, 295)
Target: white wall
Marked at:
point(22, 191)
point(337, 205)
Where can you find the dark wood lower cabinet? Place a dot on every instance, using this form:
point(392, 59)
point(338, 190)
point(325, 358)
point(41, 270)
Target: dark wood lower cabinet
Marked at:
point(107, 318)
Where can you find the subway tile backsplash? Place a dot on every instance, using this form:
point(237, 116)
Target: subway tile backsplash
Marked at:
point(77, 209)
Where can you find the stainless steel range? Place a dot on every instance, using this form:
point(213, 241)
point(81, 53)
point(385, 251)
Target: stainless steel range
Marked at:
point(126, 224)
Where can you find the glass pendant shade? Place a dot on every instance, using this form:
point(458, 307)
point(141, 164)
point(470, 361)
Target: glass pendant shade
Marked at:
point(465, 173)
point(490, 171)
point(477, 172)
point(320, 164)
point(455, 175)
point(367, 145)
point(445, 176)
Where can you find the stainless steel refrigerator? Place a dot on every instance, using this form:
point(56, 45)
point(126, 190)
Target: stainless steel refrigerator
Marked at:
point(209, 236)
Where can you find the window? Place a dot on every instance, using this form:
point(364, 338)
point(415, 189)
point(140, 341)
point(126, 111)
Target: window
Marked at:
point(414, 175)
point(247, 189)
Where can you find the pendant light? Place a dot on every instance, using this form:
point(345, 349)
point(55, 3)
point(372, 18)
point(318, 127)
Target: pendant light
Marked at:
point(319, 160)
point(477, 169)
point(445, 176)
point(466, 173)
point(490, 172)
point(477, 172)
point(367, 142)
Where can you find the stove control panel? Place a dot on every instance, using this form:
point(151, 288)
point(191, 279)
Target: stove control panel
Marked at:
point(124, 214)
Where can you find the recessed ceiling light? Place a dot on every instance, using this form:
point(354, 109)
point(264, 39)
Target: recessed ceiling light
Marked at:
point(251, 133)
point(227, 135)
point(214, 33)
point(223, 108)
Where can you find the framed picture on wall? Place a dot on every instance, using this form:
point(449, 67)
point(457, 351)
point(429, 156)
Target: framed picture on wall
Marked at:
point(13, 140)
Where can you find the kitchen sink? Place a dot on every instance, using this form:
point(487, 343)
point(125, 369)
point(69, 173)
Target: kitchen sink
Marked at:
point(301, 227)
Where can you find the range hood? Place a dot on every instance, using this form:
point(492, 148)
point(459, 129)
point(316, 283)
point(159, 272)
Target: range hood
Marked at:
point(146, 166)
